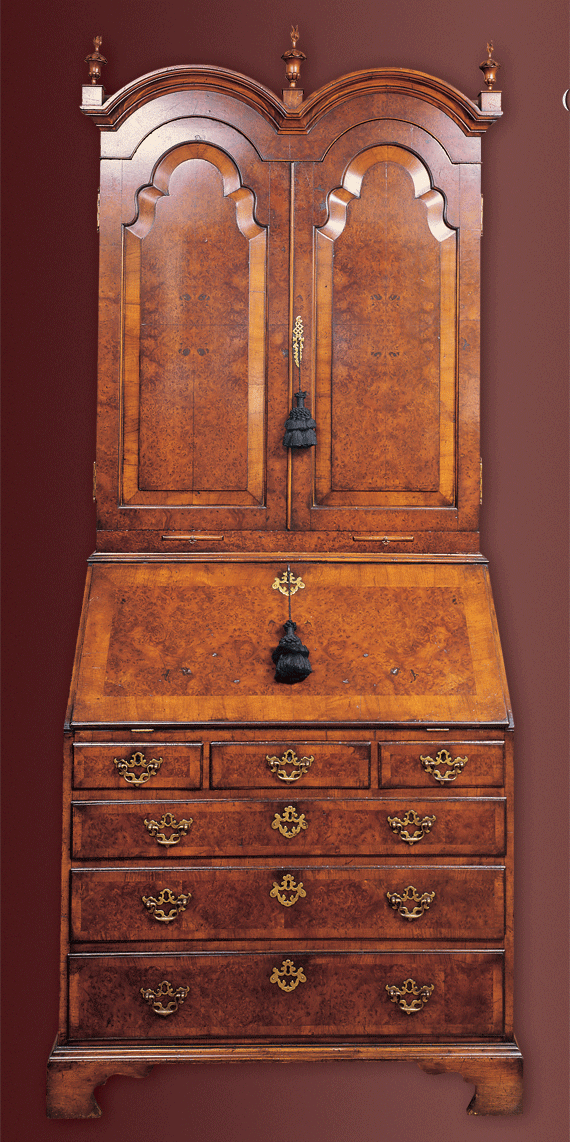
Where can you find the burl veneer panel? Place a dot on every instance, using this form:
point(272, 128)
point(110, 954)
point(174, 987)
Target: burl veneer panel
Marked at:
point(455, 827)
point(94, 765)
point(231, 996)
point(401, 764)
point(335, 765)
point(249, 903)
point(188, 643)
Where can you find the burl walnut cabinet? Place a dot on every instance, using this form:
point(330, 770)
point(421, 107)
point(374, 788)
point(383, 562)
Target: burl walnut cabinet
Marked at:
point(315, 868)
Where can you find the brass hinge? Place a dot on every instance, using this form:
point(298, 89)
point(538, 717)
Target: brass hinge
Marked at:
point(94, 482)
point(480, 481)
point(481, 215)
point(98, 208)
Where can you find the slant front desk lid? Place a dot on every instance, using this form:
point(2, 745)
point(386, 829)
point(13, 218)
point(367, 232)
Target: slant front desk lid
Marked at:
point(190, 643)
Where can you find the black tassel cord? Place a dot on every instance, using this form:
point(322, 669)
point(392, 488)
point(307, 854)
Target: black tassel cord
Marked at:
point(291, 657)
point(300, 428)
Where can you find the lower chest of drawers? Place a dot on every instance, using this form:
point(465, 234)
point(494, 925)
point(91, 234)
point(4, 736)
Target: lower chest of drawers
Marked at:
point(287, 889)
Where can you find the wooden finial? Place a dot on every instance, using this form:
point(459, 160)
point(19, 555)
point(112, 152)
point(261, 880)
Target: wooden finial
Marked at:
point(489, 67)
point(293, 59)
point(95, 60)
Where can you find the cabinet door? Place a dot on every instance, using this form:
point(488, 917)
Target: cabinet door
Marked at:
point(191, 421)
point(387, 398)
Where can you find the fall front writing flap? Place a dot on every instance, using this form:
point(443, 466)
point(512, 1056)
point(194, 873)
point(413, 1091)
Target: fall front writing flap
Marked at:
point(187, 643)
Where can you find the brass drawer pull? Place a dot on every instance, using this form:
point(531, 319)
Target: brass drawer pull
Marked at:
point(154, 905)
point(398, 901)
point(400, 826)
point(289, 817)
point(167, 821)
point(277, 765)
point(287, 972)
point(287, 885)
point(154, 997)
point(126, 768)
point(410, 987)
point(454, 766)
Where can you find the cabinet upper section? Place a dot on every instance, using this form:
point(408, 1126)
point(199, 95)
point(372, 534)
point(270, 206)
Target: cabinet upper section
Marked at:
point(226, 214)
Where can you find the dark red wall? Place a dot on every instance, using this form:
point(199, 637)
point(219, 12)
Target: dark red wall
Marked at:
point(50, 289)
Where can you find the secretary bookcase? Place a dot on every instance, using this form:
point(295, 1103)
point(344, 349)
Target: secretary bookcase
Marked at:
point(288, 747)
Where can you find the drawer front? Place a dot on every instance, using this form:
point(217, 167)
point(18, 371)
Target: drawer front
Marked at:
point(441, 765)
point(261, 765)
point(137, 765)
point(175, 829)
point(425, 903)
point(286, 995)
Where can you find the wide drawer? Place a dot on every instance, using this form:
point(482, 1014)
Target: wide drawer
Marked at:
point(442, 764)
point(137, 765)
point(175, 903)
point(258, 765)
point(286, 995)
point(371, 826)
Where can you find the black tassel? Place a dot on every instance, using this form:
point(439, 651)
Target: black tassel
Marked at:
point(291, 658)
point(300, 428)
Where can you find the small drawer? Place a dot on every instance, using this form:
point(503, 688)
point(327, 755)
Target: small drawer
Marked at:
point(137, 765)
point(177, 829)
point(440, 764)
point(286, 995)
point(261, 765)
point(422, 902)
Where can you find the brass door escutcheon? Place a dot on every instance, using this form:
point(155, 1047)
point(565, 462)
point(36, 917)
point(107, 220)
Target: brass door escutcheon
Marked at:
point(400, 826)
point(289, 817)
point(154, 997)
point(454, 766)
point(410, 987)
point(287, 885)
point(154, 905)
point(126, 768)
point(167, 821)
point(277, 765)
point(398, 901)
point(286, 972)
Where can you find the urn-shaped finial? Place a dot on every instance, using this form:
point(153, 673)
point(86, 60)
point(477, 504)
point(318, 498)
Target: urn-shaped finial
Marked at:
point(293, 59)
point(489, 67)
point(95, 61)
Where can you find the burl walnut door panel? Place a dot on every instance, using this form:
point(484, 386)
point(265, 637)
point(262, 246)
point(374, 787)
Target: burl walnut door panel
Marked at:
point(386, 289)
point(288, 827)
point(175, 903)
point(194, 337)
point(239, 996)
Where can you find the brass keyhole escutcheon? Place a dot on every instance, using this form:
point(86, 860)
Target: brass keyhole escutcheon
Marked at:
point(289, 817)
point(288, 884)
point(287, 977)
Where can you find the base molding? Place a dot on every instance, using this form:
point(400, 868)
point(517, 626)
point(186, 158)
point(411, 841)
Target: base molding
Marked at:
point(74, 1072)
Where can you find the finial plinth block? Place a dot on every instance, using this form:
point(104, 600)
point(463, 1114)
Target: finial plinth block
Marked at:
point(292, 97)
point(490, 100)
point(92, 96)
